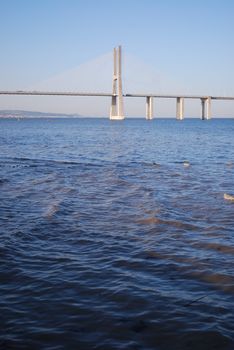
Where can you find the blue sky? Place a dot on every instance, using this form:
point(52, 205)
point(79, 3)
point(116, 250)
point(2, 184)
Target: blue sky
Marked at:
point(189, 44)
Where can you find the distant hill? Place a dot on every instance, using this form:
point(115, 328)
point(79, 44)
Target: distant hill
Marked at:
point(34, 114)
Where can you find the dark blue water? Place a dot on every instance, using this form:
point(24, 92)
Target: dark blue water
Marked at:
point(116, 235)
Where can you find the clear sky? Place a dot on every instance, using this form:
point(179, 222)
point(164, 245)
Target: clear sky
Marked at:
point(187, 45)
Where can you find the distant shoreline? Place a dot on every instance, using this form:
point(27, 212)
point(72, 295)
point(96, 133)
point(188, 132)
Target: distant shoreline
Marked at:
point(22, 114)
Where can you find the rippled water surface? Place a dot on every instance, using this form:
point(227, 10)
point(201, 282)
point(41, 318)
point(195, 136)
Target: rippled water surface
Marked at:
point(116, 235)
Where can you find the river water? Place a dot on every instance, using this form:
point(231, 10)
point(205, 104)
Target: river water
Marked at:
point(116, 235)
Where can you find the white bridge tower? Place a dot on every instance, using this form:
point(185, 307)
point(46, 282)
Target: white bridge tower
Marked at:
point(116, 111)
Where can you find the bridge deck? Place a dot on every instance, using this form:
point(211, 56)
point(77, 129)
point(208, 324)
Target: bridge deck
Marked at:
point(108, 94)
point(55, 93)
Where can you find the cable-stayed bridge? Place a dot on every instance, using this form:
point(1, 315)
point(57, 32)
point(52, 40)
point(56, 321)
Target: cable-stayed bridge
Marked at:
point(117, 96)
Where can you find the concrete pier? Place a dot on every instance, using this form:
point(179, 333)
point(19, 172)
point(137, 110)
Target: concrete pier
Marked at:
point(116, 111)
point(149, 108)
point(179, 108)
point(206, 108)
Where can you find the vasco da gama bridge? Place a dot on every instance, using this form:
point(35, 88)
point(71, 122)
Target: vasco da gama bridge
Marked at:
point(117, 96)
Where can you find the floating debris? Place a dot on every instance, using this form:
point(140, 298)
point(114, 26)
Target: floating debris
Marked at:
point(156, 164)
point(228, 197)
point(230, 164)
point(195, 300)
point(186, 163)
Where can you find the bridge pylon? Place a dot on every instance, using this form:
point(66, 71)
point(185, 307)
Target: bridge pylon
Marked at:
point(116, 110)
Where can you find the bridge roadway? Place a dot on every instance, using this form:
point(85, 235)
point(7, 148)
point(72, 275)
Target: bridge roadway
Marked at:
point(54, 93)
point(74, 93)
point(201, 97)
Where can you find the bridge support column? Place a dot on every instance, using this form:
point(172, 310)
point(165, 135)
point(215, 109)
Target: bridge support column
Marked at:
point(206, 108)
point(149, 107)
point(179, 108)
point(116, 111)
